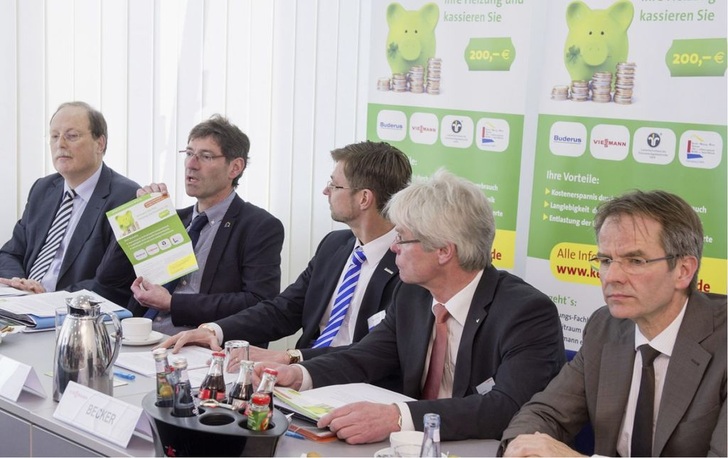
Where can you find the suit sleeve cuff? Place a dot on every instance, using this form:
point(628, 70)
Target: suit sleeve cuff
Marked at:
point(307, 382)
point(217, 329)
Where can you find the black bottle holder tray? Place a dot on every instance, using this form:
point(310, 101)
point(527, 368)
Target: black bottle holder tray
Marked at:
point(214, 432)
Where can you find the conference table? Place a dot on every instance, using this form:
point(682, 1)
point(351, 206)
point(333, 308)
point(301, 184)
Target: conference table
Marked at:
point(27, 426)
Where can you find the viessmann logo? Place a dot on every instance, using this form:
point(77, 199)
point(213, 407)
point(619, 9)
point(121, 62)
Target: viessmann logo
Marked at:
point(605, 142)
point(423, 129)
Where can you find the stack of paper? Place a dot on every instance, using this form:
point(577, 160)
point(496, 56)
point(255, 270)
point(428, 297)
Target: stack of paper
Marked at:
point(37, 311)
point(316, 403)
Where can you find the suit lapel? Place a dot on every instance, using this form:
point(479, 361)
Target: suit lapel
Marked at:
point(370, 304)
point(87, 222)
point(53, 202)
point(685, 371)
point(615, 378)
point(416, 306)
point(477, 313)
point(219, 243)
point(339, 261)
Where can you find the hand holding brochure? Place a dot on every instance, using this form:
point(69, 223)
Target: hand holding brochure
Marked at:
point(316, 403)
point(153, 237)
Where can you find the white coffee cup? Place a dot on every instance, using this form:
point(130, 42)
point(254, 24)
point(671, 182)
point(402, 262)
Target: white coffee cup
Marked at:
point(405, 438)
point(136, 329)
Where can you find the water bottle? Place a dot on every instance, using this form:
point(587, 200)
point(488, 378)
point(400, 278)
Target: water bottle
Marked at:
point(431, 440)
point(165, 393)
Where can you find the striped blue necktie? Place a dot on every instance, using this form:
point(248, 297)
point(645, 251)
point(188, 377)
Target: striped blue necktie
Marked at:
point(343, 299)
point(53, 239)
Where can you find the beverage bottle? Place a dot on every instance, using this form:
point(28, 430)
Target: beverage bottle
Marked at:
point(259, 415)
point(242, 389)
point(165, 393)
point(267, 383)
point(431, 440)
point(213, 386)
point(183, 404)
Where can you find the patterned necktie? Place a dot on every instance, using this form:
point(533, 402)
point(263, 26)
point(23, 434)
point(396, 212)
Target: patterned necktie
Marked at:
point(53, 239)
point(643, 415)
point(343, 299)
point(437, 356)
point(194, 231)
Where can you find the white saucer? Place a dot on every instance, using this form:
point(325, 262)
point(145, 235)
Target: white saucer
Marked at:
point(388, 452)
point(154, 337)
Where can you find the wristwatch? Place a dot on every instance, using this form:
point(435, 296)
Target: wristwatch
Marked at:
point(294, 356)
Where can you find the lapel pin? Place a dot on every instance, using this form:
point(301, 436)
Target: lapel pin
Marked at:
point(227, 224)
point(386, 269)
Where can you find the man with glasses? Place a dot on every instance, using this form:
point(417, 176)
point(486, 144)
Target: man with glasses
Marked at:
point(346, 286)
point(651, 373)
point(238, 246)
point(472, 343)
point(63, 233)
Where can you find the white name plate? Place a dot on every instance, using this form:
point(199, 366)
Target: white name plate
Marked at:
point(15, 377)
point(101, 415)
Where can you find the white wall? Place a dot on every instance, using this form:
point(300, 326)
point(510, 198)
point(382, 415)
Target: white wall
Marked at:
point(285, 71)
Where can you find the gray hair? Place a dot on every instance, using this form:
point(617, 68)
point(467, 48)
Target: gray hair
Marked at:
point(446, 209)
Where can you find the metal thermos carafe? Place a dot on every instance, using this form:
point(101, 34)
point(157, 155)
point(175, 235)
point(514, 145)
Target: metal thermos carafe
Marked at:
point(84, 352)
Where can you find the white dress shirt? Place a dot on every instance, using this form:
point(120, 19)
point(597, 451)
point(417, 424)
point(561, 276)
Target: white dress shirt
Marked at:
point(664, 342)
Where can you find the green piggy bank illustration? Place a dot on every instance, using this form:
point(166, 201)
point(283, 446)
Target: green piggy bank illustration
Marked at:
point(411, 38)
point(597, 39)
point(126, 222)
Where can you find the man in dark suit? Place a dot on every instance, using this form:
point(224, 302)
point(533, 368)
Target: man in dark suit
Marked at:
point(365, 176)
point(649, 250)
point(239, 245)
point(496, 341)
point(78, 140)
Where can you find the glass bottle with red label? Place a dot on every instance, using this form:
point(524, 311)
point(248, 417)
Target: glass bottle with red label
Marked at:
point(213, 386)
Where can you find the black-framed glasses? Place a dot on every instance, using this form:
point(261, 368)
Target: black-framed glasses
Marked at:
point(202, 156)
point(630, 264)
point(398, 240)
point(332, 186)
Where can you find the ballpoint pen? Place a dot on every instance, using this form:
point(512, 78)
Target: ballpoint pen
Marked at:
point(290, 433)
point(124, 375)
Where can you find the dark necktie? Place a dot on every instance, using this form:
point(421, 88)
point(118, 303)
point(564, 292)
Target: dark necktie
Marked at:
point(342, 300)
point(53, 239)
point(437, 356)
point(643, 415)
point(194, 232)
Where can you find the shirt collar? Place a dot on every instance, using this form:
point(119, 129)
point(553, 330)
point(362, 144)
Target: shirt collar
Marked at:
point(217, 211)
point(663, 342)
point(377, 248)
point(459, 305)
point(86, 189)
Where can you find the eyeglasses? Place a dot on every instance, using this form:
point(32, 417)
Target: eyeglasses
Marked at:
point(398, 240)
point(71, 136)
point(202, 156)
point(630, 265)
point(332, 186)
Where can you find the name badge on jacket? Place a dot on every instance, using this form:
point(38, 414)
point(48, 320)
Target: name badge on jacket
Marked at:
point(375, 319)
point(486, 386)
